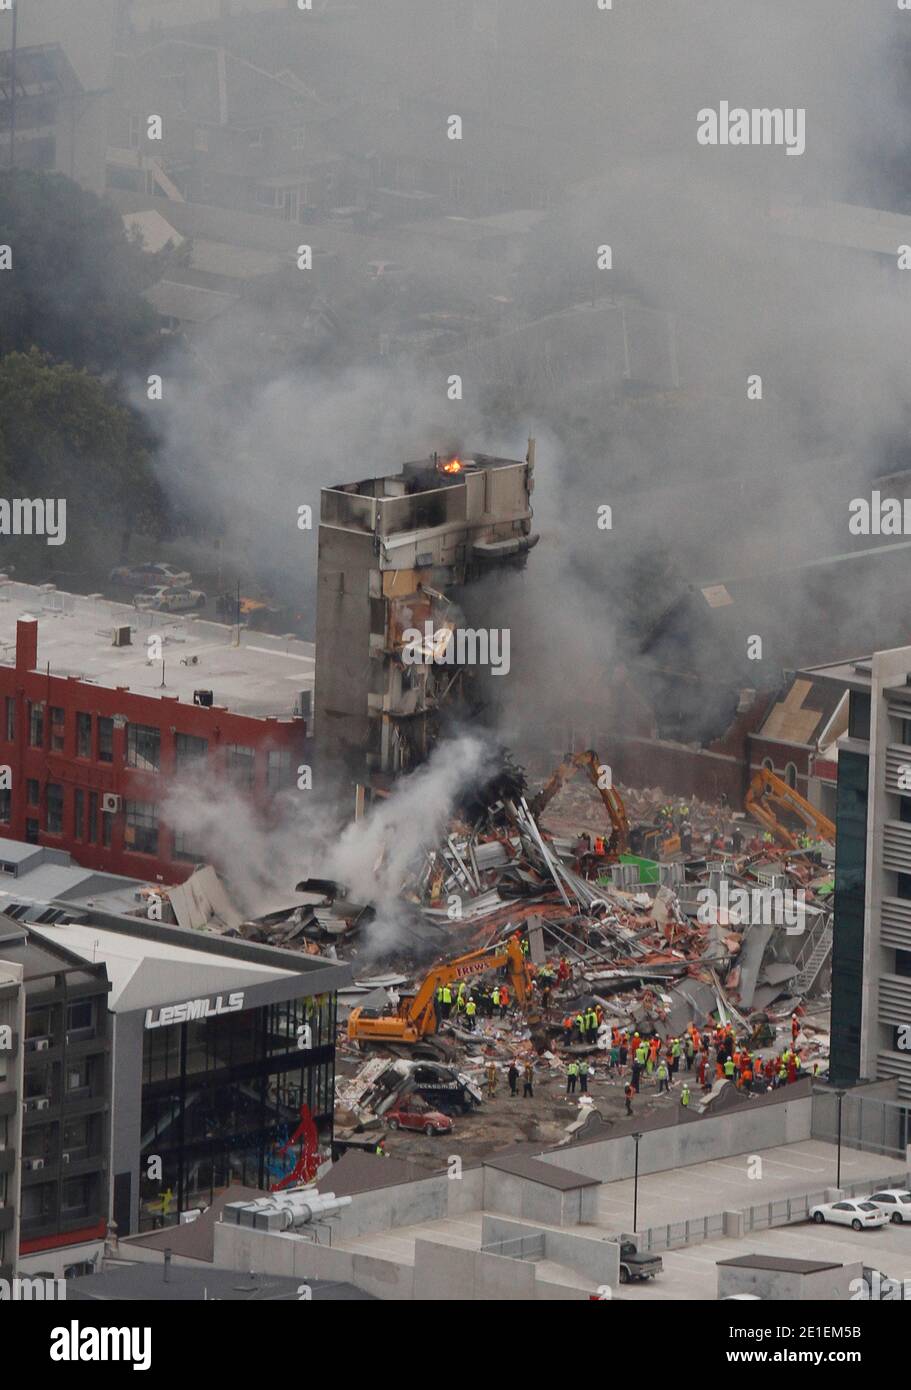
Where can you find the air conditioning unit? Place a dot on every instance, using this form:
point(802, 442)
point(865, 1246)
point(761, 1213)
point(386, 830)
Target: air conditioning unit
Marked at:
point(65, 1157)
point(110, 803)
point(120, 636)
point(41, 1103)
point(206, 698)
point(38, 1044)
point(33, 1163)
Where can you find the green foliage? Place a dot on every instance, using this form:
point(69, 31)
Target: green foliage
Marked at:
point(63, 433)
point(76, 281)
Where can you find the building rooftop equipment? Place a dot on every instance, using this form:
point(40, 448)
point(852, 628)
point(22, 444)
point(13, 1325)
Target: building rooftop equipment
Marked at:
point(262, 676)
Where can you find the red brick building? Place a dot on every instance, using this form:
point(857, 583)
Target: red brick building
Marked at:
point(90, 764)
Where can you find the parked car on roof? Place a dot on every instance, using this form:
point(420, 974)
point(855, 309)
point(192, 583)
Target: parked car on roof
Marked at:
point(857, 1215)
point(634, 1265)
point(412, 1116)
point(164, 599)
point(149, 574)
point(895, 1201)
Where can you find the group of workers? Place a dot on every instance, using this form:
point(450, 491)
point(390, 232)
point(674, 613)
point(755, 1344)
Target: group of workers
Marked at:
point(458, 1002)
point(584, 1025)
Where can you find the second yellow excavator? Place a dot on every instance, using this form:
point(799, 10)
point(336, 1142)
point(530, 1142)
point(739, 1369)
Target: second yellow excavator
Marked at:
point(767, 791)
point(649, 839)
point(589, 762)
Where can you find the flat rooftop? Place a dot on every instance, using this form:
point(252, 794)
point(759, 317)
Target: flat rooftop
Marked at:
point(780, 1263)
point(146, 973)
point(263, 676)
point(856, 674)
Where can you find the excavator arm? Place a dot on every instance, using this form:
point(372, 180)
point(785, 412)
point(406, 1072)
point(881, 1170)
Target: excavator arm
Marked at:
point(417, 1014)
point(590, 763)
point(767, 791)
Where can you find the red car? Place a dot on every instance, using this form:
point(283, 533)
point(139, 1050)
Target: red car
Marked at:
point(408, 1117)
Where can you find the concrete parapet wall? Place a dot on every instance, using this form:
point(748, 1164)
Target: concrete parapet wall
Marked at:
point(748, 1129)
point(443, 1273)
point(591, 1256)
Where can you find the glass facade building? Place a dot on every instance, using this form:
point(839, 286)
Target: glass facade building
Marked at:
point(848, 939)
point(222, 1095)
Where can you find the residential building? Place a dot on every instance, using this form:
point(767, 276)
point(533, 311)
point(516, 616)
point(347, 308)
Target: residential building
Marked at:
point(218, 1044)
point(61, 1153)
point(231, 133)
point(397, 553)
point(55, 89)
point(871, 963)
point(12, 1029)
point(110, 709)
point(162, 1062)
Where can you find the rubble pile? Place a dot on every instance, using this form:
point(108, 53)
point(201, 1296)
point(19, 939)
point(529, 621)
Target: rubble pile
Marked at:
point(724, 946)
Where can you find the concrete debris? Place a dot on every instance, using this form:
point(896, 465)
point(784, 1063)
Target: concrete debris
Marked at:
point(535, 962)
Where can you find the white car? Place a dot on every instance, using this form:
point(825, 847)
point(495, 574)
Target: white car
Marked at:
point(857, 1215)
point(894, 1201)
point(150, 574)
point(164, 599)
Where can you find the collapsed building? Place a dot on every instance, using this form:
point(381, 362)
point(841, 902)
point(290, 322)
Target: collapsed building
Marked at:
point(729, 924)
point(396, 557)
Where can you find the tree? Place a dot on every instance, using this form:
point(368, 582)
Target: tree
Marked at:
point(65, 434)
point(76, 282)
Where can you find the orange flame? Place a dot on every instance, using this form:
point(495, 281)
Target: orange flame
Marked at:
point(451, 466)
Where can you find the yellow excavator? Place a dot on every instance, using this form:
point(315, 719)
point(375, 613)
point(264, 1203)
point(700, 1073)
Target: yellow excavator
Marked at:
point(416, 1015)
point(651, 839)
point(588, 762)
point(767, 791)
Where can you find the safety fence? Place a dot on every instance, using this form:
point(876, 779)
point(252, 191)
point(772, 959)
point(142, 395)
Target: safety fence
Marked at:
point(517, 1248)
